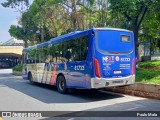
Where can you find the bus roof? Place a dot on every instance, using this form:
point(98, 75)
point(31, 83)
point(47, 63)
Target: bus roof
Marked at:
point(70, 35)
point(116, 29)
point(30, 48)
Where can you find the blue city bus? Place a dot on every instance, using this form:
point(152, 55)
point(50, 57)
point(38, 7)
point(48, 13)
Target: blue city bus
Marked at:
point(90, 59)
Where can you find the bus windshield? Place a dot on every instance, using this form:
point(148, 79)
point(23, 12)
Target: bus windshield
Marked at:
point(114, 41)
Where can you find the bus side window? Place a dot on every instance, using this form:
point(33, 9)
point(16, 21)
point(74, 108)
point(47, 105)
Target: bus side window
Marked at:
point(32, 56)
point(79, 48)
point(52, 53)
point(44, 54)
point(84, 47)
point(72, 50)
point(37, 56)
point(41, 54)
point(24, 58)
point(47, 54)
point(67, 55)
point(28, 57)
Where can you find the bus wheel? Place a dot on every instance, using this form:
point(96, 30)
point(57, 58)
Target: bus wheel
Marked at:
point(30, 78)
point(61, 84)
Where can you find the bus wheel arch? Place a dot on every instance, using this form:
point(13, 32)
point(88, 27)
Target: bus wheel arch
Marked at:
point(30, 77)
point(61, 84)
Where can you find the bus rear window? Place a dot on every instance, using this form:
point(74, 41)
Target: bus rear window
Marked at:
point(114, 41)
point(125, 38)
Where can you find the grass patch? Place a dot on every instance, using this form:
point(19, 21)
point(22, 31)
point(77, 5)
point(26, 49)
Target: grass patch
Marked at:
point(17, 68)
point(148, 72)
point(149, 64)
point(148, 76)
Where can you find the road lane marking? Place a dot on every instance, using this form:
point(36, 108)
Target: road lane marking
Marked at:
point(71, 119)
point(132, 108)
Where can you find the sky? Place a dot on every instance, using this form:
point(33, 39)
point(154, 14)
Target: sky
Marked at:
point(8, 17)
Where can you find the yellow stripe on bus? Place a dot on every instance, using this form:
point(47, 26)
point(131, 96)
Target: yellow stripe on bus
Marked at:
point(1, 118)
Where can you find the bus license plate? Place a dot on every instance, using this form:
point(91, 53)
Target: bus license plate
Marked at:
point(117, 82)
point(117, 72)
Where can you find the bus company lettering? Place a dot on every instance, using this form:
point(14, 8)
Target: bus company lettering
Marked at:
point(108, 59)
point(125, 59)
point(117, 58)
point(79, 67)
point(125, 66)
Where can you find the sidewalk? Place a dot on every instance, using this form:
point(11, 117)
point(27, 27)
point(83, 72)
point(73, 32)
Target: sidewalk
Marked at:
point(6, 71)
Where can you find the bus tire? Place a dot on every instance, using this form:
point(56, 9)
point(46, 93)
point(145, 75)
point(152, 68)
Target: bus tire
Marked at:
point(61, 85)
point(30, 78)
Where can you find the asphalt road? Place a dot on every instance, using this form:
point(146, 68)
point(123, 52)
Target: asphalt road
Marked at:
point(19, 95)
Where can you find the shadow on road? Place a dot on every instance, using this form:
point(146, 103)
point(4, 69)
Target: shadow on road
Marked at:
point(118, 111)
point(49, 94)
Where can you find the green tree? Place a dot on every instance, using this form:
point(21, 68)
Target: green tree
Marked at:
point(56, 17)
point(16, 3)
point(132, 11)
point(150, 28)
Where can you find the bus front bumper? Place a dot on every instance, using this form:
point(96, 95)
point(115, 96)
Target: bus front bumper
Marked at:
point(110, 82)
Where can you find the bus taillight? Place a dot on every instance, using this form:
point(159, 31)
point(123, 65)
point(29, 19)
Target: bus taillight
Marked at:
point(116, 52)
point(133, 66)
point(97, 68)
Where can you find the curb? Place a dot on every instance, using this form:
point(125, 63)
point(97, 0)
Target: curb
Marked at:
point(17, 73)
point(138, 89)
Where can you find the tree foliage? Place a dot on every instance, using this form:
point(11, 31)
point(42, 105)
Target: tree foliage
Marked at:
point(132, 12)
point(16, 3)
point(50, 18)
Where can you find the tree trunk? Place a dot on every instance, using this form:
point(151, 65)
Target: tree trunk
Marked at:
point(42, 34)
point(74, 13)
point(25, 43)
point(135, 36)
point(136, 41)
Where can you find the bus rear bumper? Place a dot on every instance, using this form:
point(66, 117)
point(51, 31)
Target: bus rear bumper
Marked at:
point(110, 82)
